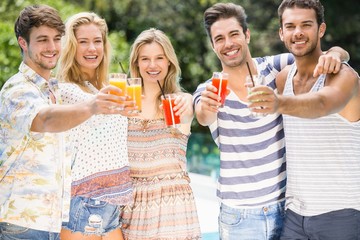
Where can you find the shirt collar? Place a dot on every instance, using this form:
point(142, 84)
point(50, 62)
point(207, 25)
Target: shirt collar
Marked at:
point(39, 81)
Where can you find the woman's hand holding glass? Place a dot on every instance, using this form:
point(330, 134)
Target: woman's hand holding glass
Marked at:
point(118, 87)
point(183, 107)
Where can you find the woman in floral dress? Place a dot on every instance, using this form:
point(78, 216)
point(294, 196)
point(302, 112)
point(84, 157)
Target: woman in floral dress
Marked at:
point(164, 205)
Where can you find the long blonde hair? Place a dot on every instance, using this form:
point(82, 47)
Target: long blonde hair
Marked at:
point(172, 80)
point(69, 69)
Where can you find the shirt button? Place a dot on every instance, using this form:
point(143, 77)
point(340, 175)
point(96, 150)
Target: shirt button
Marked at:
point(265, 209)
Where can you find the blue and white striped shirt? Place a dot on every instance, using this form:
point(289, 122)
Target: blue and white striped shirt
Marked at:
point(252, 151)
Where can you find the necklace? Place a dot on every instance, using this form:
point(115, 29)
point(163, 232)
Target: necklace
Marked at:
point(144, 124)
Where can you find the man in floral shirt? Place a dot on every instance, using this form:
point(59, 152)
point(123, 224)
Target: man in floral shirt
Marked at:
point(35, 157)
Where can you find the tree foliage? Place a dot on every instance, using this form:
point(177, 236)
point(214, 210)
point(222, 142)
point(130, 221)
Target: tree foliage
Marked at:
point(342, 19)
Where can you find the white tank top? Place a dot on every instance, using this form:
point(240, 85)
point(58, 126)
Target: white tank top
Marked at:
point(323, 160)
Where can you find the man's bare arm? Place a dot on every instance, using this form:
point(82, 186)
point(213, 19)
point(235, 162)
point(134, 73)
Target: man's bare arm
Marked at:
point(332, 98)
point(58, 118)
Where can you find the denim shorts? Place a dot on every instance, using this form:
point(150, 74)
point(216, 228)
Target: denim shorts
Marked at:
point(90, 216)
point(256, 223)
point(13, 232)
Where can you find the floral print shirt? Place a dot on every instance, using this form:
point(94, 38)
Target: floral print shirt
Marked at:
point(35, 174)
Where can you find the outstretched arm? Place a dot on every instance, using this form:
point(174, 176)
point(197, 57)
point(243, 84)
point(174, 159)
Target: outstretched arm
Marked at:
point(58, 118)
point(332, 98)
point(206, 108)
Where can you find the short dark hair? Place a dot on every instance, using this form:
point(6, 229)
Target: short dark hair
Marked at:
point(36, 16)
point(307, 4)
point(224, 11)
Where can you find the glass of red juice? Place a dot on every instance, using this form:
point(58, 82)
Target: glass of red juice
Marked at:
point(171, 119)
point(220, 81)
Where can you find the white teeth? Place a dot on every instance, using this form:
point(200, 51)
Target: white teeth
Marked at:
point(49, 55)
point(300, 42)
point(231, 53)
point(153, 73)
point(90, 57)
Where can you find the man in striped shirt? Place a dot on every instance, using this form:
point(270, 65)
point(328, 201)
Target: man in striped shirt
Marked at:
point(322, 129)
point(252, 150)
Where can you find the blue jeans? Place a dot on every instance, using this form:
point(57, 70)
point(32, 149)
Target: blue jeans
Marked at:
point(337, 225)
point(90, 216)
point(251, 224)
point(13, 232)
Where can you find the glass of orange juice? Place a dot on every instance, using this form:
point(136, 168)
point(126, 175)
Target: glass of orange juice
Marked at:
point(134, 91)
point(118, 80)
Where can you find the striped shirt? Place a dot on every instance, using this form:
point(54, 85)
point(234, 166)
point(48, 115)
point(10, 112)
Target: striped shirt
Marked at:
point(252, 151)
point(323, 160)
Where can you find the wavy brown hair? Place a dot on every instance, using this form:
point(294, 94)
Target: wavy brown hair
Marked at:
point(36, 16)
point(224, 11)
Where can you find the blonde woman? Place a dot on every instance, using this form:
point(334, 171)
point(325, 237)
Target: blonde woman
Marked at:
point(101, 182)
point(164, 206)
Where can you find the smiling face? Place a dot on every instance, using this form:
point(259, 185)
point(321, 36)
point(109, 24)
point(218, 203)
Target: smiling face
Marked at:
point(43, 50)
point(153, 63)
point(229, 42)
point(90, 48)
point(300, 31)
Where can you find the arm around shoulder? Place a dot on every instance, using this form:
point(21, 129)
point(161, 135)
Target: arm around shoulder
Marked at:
point(334, 97)
point(330, 61)
point(343, 55)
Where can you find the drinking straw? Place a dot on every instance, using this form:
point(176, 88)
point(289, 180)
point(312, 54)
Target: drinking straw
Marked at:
point(251, 76)
point(171, 112)
point(122, 69)
point(162, 90)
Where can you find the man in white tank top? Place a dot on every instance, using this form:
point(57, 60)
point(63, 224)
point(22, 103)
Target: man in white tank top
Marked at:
point(322, 132)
